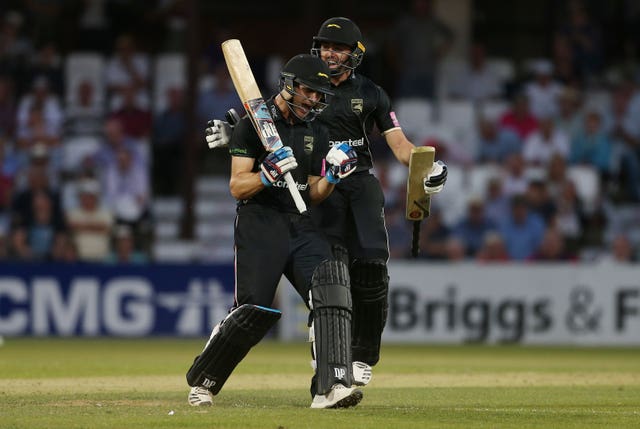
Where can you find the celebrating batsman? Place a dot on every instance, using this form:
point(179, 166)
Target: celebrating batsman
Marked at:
point(272, 238)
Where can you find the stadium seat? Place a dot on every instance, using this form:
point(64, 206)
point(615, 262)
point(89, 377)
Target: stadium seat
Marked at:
point(478, 178)
point(174, 251)
point(460, 117)
point(415, 115)
point(167, 208)
point(492, 109)
point(587, 184)
point(85, 66)
point(168, 70)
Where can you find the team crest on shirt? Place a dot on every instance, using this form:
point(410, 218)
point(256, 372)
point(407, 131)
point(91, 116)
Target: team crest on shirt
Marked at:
point(308, 144)
point(356, 105)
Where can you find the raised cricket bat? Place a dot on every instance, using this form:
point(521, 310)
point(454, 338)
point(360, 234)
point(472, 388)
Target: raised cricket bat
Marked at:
point(254, 104)
point(418, 203)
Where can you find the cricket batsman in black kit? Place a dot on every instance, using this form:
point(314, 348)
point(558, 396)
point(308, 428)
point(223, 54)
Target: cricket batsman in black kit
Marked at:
point(353, 215)
point(272, 238)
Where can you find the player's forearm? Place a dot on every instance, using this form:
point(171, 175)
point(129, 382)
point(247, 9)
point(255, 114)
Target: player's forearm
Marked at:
point(319, 189)
point(399, 145)
point(245, 185)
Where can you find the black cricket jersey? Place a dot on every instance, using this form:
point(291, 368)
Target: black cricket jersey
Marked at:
point(358, 103)
point(309, 142)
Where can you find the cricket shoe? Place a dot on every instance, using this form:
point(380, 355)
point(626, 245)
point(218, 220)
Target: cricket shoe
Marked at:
point(338, 397)
point(362, 373)
point(200, 397)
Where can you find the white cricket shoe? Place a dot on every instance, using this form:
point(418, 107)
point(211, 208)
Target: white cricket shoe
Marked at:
point(362, 373)
point(200, 397)
point(339, 397)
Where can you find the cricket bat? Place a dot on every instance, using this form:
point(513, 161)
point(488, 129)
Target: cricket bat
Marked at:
point(418, 203)
point(256, 108)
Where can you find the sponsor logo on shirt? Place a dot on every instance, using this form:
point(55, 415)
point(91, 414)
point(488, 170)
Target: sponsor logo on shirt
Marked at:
point(350, 142)
point(283, 184)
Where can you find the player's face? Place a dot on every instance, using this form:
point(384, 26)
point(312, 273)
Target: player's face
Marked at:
point(305, 100)
point(334, 54)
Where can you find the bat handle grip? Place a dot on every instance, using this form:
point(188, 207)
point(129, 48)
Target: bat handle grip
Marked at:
point(415, 243)
point(295, 193)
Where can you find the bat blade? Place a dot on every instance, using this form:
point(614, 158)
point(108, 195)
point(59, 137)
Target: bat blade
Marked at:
point(249, 93)
point(420, 163)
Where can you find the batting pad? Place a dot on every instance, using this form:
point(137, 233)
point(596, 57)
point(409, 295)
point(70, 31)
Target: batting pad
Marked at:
point(242, 329)
point(369, 289)
point(331, 304)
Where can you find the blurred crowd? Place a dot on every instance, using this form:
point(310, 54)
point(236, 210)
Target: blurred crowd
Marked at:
point(86, 145)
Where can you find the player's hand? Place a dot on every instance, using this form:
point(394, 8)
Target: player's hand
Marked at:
point(276, 165)
point(218, 133)
point(342, 161)
point(436, 178)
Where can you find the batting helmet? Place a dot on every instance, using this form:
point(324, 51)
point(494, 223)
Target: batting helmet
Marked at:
point(342, 31)
point(311, 72)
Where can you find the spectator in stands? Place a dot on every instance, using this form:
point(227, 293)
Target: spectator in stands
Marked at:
point(42, 157)
point(495, 144)
point(552, 248)
point(540, 201)
point(519, 118)
point(521, 230)
point(418, 42)
point(41, 100)
point(585, 40)
point(496, 203)
point(569, 119)
point(84, 114)
point(214, 102)
point(124, 248)
point(398, 231)
point(570, 216)
point(493, 249)
point(514, 178)
point(6, 190)
point(38, 181)
point(543, 92)
point(620, 251)
point(15, 47)
point(48, 63)
point(433, 236)
point(540, 146)
point(134, 117)
point(7, 108)
point(476, 82)
point(34, 239)
point(565, 69)
point(127, 67)
point(64, 249)
point(472, 228)
point(455, 249)
point(591, 146)
point(126, 192)
point(556, 174)
point(114, 140)
point(169, 133)
point(93, 26)
point(90, 224)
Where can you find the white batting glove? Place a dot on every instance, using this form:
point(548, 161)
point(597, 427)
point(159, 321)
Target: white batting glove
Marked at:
point(218, 133)
point(342, 161)
point(436, 178)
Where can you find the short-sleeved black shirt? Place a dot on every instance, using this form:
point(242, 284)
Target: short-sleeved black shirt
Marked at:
point(309, 141)
point(357, 105)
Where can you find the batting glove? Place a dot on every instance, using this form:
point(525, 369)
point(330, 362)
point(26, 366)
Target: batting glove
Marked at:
point(276, 165)
point(436, 178)
point(342, 161)
point(218, 133)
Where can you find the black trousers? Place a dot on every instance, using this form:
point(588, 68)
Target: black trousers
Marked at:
point(269, 244)
point(353, 216)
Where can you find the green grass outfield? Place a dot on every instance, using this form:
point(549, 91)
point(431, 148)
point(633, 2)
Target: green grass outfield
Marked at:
point(51, 383)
